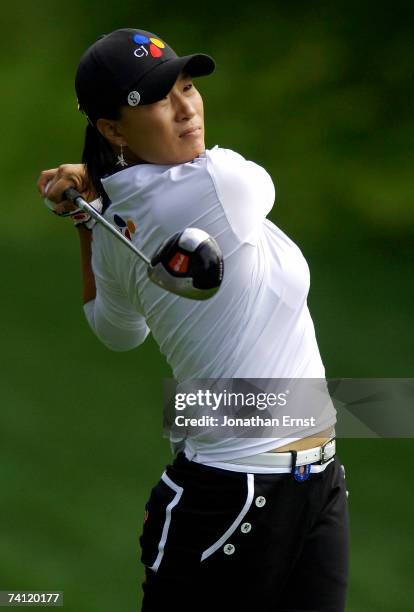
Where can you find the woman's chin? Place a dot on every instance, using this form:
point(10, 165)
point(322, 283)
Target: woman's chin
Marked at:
point(194, 149)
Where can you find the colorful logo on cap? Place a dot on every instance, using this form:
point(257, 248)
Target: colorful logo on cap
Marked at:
point(148, 46)
point(125, 227)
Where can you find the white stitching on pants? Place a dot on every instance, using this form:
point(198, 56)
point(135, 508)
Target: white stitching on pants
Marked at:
point(161, 545)
point(250, 494)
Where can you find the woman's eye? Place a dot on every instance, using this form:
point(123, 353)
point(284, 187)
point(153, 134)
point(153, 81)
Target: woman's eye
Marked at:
point(188, 87)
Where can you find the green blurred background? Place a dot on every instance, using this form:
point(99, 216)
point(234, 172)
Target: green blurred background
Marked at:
point(321, 95)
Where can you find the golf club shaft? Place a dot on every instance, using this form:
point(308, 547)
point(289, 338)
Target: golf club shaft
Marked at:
point(75, 197)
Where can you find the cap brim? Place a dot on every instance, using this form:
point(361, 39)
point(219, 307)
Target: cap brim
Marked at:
point(156, 84)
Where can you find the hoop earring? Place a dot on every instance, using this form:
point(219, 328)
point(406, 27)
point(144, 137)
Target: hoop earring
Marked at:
point(121, 159)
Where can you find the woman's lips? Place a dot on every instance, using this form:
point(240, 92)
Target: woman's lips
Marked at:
point(190, 132)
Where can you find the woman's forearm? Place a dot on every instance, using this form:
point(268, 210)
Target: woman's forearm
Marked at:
point(88, 279)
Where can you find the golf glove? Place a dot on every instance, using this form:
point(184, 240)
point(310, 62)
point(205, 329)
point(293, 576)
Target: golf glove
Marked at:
point(82, 218)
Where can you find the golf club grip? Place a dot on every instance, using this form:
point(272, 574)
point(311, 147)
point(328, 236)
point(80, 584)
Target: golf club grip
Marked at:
point(71, 194)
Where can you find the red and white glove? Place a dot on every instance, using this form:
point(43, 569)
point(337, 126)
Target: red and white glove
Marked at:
point(80, 217)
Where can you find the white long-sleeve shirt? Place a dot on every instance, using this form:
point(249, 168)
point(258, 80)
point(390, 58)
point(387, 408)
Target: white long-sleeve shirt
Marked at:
point(258, 324)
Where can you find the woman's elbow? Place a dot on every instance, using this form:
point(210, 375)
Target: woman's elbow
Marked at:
point(124, 342)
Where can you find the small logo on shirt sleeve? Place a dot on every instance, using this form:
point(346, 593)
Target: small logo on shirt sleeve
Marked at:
point(127, 228)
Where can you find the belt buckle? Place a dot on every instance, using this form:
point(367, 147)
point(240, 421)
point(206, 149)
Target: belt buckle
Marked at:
point(323, 458)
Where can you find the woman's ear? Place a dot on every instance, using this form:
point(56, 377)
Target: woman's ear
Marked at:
point(110, 131)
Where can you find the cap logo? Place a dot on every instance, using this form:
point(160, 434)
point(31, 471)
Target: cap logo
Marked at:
point(141, 51)
point(148, 46)
point(133, 98)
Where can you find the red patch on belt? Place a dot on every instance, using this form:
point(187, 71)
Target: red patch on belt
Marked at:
point(179, 263)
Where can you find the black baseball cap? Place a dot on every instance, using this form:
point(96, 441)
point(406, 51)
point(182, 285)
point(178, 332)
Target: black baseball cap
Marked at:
point(131, 67)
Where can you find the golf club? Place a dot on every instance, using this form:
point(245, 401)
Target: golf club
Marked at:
point(188, 263)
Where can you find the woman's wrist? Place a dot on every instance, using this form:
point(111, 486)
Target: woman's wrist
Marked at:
point(84, 231)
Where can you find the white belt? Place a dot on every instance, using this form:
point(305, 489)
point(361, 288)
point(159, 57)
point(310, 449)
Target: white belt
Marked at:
point(320, 454)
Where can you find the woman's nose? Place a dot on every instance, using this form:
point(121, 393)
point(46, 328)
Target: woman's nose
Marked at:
point(184, 108)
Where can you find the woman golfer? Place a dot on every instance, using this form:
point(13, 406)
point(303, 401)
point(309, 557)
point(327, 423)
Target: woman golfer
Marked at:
point(235, 523)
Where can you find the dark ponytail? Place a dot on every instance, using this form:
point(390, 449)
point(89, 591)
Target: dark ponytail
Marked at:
point(100, 160)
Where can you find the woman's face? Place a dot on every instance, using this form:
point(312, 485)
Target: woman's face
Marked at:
point(170, 131)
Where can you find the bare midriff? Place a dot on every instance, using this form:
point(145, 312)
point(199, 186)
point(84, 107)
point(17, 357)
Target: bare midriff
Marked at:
point(317, 439)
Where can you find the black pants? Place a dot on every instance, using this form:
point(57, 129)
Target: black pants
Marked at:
point(222, 540)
